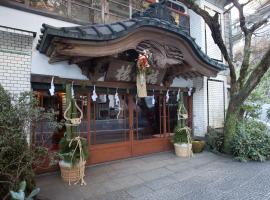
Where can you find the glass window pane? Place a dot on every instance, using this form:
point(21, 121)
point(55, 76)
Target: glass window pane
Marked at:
point(85, 12)
point(56, 6)
point(109, 121)
point(147, 118)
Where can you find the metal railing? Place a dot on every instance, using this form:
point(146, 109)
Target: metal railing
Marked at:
point(87, 11)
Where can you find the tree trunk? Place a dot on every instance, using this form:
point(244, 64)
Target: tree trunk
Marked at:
point(233, 116)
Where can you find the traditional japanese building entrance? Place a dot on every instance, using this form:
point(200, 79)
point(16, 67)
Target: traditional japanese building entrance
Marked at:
point(107, 55)
point(138, 126)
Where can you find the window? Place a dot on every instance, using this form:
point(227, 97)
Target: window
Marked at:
point(109, 121)
point(148, 118)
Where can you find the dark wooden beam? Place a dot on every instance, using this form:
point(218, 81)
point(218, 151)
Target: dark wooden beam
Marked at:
point(86, 83)
point(78, 59)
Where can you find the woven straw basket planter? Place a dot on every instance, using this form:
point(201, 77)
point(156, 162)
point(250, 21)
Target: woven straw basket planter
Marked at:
point(183, 150)
point(72, 173)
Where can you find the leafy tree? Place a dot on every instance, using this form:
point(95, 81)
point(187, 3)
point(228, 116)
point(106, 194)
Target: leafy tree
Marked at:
point(249, 75)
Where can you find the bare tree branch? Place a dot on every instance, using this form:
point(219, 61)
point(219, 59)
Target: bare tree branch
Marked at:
point(258, 24)
point(227, 10)
point(246, 60)
point(244, 4)
point(255, 76)
point(242, 18)
point(213, 23)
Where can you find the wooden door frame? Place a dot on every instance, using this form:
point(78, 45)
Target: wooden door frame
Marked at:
point(113, 151)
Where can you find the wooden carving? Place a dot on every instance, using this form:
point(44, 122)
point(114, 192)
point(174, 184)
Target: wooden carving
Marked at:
point(162, 55)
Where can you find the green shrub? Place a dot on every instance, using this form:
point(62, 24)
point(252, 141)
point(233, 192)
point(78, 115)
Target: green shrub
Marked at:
point(214, 139)
point(71, 153)
point(17, 155)
point(268, 114)
point(180, 135)
point(251, 141)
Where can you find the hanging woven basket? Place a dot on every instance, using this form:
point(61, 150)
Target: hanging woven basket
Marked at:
point(71, 173)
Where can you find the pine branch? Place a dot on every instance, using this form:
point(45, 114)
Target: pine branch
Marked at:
point(259, 24)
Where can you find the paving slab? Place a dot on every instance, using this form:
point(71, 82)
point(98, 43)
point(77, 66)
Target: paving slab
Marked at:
point(164, 176)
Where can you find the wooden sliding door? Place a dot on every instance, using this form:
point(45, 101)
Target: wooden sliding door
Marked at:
point(108, 128)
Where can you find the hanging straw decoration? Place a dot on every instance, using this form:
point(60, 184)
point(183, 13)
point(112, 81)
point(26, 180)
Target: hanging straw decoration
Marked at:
point(167, 96)
point(52, 87)
point(153, 98)
point(94, 96)
point(73, 121)
point(82, 161)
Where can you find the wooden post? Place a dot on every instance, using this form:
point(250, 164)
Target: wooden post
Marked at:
point(95, 127)
point(27, 3)
point(130, 9)
point(160, 115)
point(104, 11)
point(88, 118)
point(190, 105)
point(69, 8)
point(130, 113)
point(164, 116)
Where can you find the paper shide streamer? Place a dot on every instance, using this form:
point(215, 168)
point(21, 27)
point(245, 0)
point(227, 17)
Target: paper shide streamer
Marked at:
point(72, 91)
point(178, 95)
point(167, 96)
point(189, 91)
point(117, 103)
point(52, 89)
point(153, 98)
point(94, 95)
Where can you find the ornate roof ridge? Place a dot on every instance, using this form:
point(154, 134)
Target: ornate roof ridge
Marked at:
point(157, 10)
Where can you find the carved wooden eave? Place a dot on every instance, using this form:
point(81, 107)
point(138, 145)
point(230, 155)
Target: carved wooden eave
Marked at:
point(94, 48)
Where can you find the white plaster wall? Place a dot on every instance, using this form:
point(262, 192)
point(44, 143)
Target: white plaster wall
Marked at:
point(223, 78)
point(200, 106)
point(181, 82)
point(200, 113)
point(197, 27)
point(32, 22)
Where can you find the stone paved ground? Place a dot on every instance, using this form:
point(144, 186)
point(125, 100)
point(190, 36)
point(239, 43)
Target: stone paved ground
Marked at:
point(164, 176)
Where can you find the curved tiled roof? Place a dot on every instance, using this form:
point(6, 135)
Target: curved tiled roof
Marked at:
point(106, 32)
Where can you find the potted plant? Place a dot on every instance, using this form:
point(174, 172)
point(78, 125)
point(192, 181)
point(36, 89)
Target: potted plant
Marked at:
point(73, 150)
point(182, 142)
point(73, 153)
point(182, 137)
point(198, 145)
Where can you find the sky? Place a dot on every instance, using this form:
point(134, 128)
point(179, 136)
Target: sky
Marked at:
point(248, 9)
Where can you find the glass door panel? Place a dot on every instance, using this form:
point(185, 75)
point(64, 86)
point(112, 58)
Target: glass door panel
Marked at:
point(109, 121)
point(148, 118)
